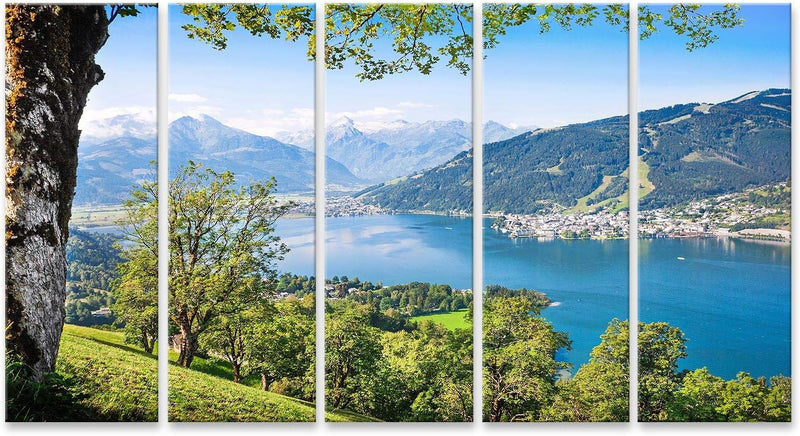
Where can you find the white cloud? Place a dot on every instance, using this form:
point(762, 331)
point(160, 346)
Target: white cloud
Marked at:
point(138, 121)
point(187, 98)
point(270, 122)
point(414, 105)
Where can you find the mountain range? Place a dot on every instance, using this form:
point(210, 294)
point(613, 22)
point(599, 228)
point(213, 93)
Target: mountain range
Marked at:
point(112, 162)
point(687, 152)
point(397, 148)
point(249, 156)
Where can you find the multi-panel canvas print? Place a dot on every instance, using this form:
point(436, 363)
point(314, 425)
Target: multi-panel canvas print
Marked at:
point(697, 199)
point(81, 251)
point(555, 165)
point(398, 330)
point(241, 226)
point(714, 221)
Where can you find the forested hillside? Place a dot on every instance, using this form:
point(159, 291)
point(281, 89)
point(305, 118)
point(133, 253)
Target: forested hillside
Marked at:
point(92, 267)
point(688, 151)
point(713, 150)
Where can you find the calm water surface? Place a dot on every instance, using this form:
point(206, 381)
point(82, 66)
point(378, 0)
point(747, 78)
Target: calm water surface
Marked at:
point(731, 298)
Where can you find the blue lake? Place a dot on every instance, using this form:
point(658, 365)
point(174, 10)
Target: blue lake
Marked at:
point(731, 298)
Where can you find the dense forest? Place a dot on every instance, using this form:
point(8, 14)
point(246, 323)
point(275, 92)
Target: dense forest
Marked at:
point(693, 151)
point(412, 299)
point(92, 260)
point(725, 148)
point(403, 371)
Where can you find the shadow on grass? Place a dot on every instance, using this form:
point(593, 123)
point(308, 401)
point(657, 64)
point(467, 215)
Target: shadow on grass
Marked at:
point(123, 347)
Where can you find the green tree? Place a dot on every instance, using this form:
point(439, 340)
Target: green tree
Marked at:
point(352, 350)
point(229, 335)
point(599, 390)
point(136, 290)
point(698, 399)
point(283, 344)
point(660, 348)
point(222, 249)
point(519, 362)
point(136, 299)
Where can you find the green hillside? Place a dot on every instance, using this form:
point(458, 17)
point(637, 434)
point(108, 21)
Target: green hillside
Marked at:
point(198, 397)
point(687, 152)
point(106, 379)
point(109, 380)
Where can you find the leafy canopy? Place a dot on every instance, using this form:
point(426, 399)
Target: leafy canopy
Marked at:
point(381, 39)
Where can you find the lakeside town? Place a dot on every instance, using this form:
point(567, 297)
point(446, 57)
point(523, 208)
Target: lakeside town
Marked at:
point(757, 213)
point(599, 225)
point(338, 207)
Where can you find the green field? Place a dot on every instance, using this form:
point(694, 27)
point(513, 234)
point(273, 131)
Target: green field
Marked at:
point(113, 381)
point(96, 216)
point(450, 320)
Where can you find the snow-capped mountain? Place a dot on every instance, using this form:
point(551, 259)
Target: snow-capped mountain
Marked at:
point(401, 147)
point(249, 156)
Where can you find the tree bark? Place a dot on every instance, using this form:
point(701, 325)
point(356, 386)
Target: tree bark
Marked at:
point(237, 372)
point(147, 343)
point(189, 345)
point(50, 69)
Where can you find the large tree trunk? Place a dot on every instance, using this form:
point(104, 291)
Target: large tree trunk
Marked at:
point(50, 70)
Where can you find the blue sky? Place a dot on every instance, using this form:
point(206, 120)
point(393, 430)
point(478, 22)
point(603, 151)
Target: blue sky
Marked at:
point(752, 57)
point(444, 94)
point(257, 84)
point(129, 60)
point(558, 77)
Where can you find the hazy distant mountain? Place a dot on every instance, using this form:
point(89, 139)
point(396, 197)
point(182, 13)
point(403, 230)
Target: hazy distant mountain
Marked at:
point(494, 131)
point(689, 151)
point(249, 156)
point(108, 170)
point(141, 126)
point(303, 138)
point(402, 147)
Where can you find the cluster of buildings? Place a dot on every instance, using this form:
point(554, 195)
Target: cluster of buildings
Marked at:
point(350, 206)
point(709, 217)
point(339, 206)
point(718, 216)
point(599, 225)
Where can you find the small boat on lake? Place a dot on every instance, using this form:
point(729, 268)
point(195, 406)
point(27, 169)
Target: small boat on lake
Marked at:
point(681, 258)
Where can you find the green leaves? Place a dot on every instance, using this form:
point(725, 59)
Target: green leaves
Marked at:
point(519, 360)
point(214, 21)
point(685, 19)
point(420, 36)
point(382, 39)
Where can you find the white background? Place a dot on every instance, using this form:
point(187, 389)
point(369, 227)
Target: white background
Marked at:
point(163, 427)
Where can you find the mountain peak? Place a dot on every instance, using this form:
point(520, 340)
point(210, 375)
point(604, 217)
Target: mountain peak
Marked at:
point(343, 121)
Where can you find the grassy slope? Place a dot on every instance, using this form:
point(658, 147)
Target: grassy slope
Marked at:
point(118, 382)
point(645, 187)
point(450, 320)
point(121, 384)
